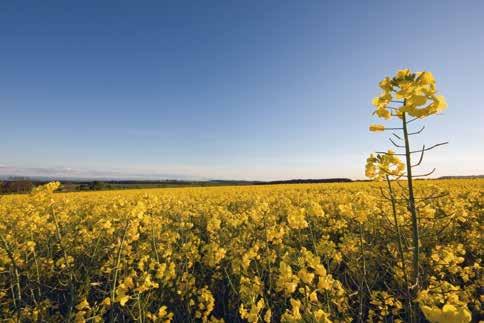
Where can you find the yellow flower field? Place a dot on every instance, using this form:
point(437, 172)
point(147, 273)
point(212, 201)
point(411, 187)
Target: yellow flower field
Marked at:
point(292, 253)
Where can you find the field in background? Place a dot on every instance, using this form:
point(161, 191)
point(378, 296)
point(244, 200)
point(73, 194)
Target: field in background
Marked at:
point(318, 252)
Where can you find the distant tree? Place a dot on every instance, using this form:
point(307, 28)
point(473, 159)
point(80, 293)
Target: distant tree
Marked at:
point(17, 186)
point(98, 185)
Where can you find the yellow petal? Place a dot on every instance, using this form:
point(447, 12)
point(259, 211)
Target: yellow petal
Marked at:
point(123, 300)
point(418, 100)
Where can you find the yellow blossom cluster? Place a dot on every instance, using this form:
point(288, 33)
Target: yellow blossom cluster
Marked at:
point(415, 91)
point(382, 165)
point(282, 253)
point(443, 302)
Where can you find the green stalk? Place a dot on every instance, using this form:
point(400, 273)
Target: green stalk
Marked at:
point(411, 206)
point(400, 249)
point(17, 299)
point(116, 270)
point(71, 276)
point(363, 279)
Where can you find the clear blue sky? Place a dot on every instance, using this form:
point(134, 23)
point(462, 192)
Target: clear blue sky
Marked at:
point(228, 89)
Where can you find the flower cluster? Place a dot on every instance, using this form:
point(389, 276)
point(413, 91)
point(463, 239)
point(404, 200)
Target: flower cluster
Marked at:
point(416, 92)
point(383, 165)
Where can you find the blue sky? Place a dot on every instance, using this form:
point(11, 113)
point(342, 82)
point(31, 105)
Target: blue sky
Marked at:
point(228, 89)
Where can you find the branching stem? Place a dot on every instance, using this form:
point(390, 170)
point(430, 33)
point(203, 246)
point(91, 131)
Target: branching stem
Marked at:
point(411, 206)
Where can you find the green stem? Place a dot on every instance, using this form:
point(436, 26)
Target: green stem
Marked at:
point(116, 270)
point(363, 278)
point(400, 249)
point(17, 299)
point(66, 261)
point(411, 206)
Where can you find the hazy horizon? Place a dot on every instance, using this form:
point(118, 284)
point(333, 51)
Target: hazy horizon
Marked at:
point(228, 90)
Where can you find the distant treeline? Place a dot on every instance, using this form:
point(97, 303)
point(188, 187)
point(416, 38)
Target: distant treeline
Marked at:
point(19, 185)
point(15, 186)
point(462, 177)
point(26, 186)
point(307, 181)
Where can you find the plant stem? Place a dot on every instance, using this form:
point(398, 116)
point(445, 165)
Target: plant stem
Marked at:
point(17, 299)
point(70, 306)
point(363, 279)
point(411, 206)
point(116, 270)
point(400, 250)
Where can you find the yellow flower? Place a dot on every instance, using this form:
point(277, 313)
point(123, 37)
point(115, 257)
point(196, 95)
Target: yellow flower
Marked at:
point(83, 305)
point(31, 245)
point(164, 314)
point(403, 73)
point(296, 219)
point(325, 282)
point(268, 316)
point(321, 316)
point(417, 100)
point(439, 104)
point(123, 300)
point(287, 281)
point(386, 84)
point(214, 254)
point(414, 89)
point(426, 78)
point(382, 112)
point(380, 166)
point(306, 276)
point(377, 127)
point(313, 297)
point(253, 314)
point(293, 315)
point(106, 301)
point(448, 314)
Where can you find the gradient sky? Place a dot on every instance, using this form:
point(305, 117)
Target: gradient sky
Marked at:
point(228, 89)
